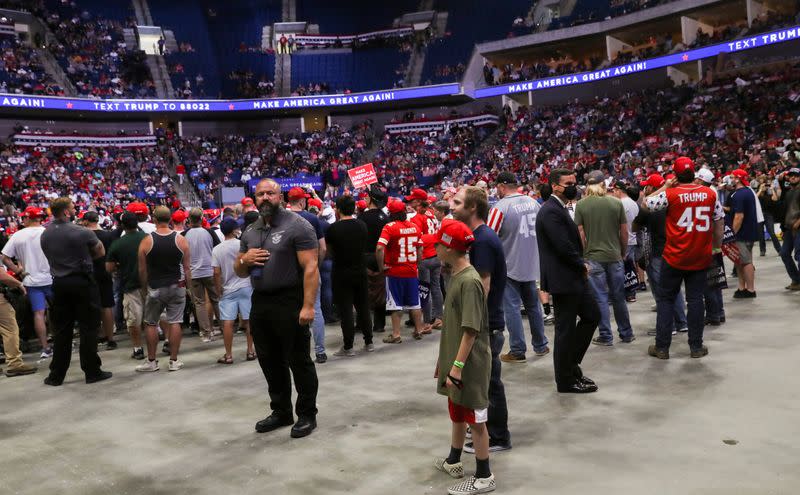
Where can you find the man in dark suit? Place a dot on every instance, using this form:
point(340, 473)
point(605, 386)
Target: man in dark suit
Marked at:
point(564, 275)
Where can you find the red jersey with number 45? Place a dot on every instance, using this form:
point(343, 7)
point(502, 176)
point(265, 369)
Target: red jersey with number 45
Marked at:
point(401, 240)
point(691, 213)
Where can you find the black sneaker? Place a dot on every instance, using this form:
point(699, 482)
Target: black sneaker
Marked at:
point(103, 375)
point(322, 358)
point(165, 348)
point(138, 353)
point(749, 294)
point(111, 345)
point(739, 294)
point(658, 353)
point(700, 352)
point(469, 448)
point(378, 330)
point(601, 341)
point(713, 323)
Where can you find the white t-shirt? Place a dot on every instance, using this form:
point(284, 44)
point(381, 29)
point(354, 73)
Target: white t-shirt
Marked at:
point(223, 256)
point(631, 210)
point(26, 247)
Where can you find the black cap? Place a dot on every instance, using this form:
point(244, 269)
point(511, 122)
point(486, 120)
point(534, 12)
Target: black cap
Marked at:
point(228, 225)
point(129, 220)
point(377, 195)
point(507, 178)
point(91, 216)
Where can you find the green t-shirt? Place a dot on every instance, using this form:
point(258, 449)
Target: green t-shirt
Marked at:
point(125, 252)
point(465, 306)
point(601, 217)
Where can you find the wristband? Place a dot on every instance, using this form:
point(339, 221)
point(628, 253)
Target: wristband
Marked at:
point(458, 364)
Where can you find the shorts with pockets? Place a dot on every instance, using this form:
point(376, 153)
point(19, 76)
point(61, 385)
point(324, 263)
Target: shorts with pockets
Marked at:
point(461, 414)
point(235, 303)
point(402, 293)
point(745, 252)
point(170, 300)
point(133, 307)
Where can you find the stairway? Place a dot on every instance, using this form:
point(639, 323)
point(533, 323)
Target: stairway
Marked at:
point(187, 194)
point(283, 75)
point(138, 12)
point(289, 11)
point(415, 65)
point(56, 72)
point(148, 18)
point(158, 70)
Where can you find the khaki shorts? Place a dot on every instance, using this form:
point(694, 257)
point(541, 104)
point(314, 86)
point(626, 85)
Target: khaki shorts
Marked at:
point(745, 252)
point(133, 307)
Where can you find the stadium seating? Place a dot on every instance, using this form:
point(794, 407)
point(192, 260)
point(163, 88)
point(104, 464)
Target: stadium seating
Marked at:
point(352, 17)
point(360, 70)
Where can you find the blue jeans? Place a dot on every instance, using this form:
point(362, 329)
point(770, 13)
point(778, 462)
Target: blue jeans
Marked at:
point(671, 279)
point(497, 422)
point(326, 292)
point(654, 274)
point(607, 280)
point(525, 294)
point(791, 243)
point(318, 325)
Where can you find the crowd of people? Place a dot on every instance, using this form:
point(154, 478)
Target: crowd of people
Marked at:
point(567, 254)
point(22, 72)
point(651, 46)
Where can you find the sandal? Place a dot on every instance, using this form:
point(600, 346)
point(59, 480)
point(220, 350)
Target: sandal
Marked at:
point(437, 324)
point(225, 360)
point(417, 335)
point(426, 330)
point(391, 339)
point(251, 356)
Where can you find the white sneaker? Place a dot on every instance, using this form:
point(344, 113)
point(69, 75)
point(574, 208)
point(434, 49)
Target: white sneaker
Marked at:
point(47, 353)
point(549, 319)
point(369, 347)
point(207, 339)
point(148, 366)
point(345, 352)
point(473, 485)
point(454, 470)
point(175, 365)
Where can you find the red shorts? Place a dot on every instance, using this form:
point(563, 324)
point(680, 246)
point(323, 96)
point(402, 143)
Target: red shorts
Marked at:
point(460, 414)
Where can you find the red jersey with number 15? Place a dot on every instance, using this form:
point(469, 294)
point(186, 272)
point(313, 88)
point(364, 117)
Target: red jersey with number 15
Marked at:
point(691, 212)
point(401, 240)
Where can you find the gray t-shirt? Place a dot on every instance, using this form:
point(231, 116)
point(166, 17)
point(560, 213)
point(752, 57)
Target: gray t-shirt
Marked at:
point(200, 245)
point(514, 220)
point(631, 210)
point(67, 248)
point(224, 257)
point(283, 238)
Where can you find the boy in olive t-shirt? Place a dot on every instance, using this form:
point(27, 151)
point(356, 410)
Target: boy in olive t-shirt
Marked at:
point(465, 359)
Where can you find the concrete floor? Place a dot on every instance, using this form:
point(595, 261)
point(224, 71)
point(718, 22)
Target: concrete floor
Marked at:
point(655, 427)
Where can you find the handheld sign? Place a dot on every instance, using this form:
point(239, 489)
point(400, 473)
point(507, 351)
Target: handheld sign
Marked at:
point(362, 176)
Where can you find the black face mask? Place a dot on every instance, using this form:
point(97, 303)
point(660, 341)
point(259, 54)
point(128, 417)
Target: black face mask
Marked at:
point(571, 192)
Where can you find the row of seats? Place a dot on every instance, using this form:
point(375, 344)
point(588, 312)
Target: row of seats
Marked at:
point(361, 70)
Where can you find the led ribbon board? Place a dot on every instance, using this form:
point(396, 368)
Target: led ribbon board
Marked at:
point(300, 102)
point(733, 46)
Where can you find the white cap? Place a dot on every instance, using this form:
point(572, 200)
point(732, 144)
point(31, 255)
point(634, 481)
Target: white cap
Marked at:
point(705, 175)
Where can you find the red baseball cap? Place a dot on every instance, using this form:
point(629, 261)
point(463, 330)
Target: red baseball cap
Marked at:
point(247, 201)
point(297, 193)
point(361, 204)
point(742, 175)
point(33, 212)
point(179, 216)
point(417, 194)
point(653, 180)
point(396, 206)
point(137, 208)
point(682, 164)
point(455, 235)
point(315, 202)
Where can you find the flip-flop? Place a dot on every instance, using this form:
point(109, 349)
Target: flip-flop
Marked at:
point(251, 356)
point(417, 335)
point(225, 360)
point(390, 339)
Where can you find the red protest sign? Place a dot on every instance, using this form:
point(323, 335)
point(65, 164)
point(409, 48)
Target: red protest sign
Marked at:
point(362, 176)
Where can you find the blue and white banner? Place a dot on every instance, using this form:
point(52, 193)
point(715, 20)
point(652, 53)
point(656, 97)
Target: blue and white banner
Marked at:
point(194, 106)
point(756, 41)
point(286, 183)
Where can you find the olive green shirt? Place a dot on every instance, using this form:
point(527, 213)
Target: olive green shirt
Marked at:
point(465, 307)
point(600, 217)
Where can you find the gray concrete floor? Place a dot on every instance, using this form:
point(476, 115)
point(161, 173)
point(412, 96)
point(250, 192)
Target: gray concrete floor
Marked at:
point(654, 427)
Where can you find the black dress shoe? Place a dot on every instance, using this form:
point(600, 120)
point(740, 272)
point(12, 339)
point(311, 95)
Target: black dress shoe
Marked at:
point(587, 381)
point(577, 388)
point(304, 426)
point(53, 382)
point(273, 422)
point(103, 375)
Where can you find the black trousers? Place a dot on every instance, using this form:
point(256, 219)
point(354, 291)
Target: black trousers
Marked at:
point(769, 223)
point(350, 290)
point(497, 422)
point(576, 318)
point(283, 347)
point(75, 299)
